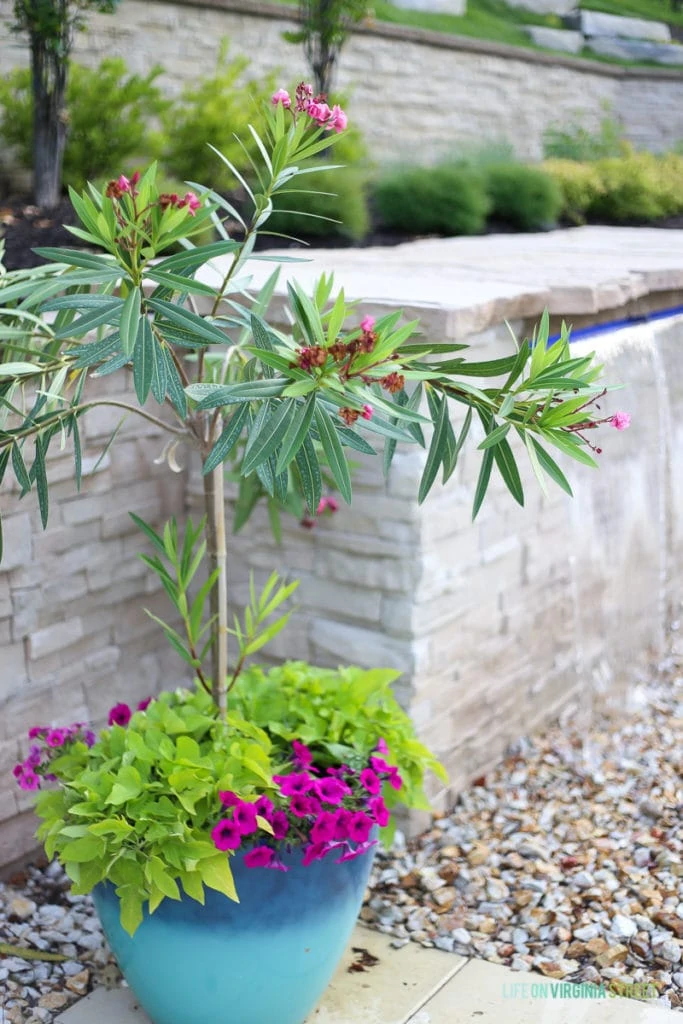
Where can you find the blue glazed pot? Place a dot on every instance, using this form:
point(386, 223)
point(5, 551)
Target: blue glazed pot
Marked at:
point(265, 960)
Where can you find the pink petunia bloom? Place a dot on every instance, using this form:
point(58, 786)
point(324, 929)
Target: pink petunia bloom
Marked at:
point(379, 811)
point(144, 704)
point(320, 112)
point(228, 798)
point(621, 420)
point(259, 857)
point(123, 183)
point(315, 851)
point(331, 791)
point(367, 324)
point(314, 805)
point(34, 757)
point(395, 780)
point(300, 806)
point(294, 785)
point(370, 781)
point(324, 827)
point(226, 835)
point(351, 854)
point(341, 832)
point(37, 732)
point(264, 807)
point(28, 779)
point(120, 714)
point(56, 737)
point(367, 412)
point(380, 765)
point(302, 755)
point(382, 746)
point(18, 770)
point(359, 827)
point(244, 816)
point(283, 97)
point(89, 738)
point(337, 120)
point(280, 823)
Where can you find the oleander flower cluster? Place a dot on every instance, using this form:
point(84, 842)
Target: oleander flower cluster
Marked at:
point(315, 107)
point(47, 744)
point(333, 810)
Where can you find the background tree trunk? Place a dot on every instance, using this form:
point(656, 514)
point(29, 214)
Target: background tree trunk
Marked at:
point(49, 71)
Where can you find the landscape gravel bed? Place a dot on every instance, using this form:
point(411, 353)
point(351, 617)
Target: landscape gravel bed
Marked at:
point(567, 860)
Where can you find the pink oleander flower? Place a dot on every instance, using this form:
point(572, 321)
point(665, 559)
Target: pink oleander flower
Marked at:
point(304, 96)
point(283, 97)
point(144, 704)
point(120, 714)
point(324, 827)
point(360, 825)
point(379, 811)
point(228, 798)
point(280, 824)
point(370, 781)
point(302, 755)
point(244, 816)
point(28, 780)
point(294, 785)
point(351, 854)
point(319, 111)
point(367, 324)
point(124, 183)
point(191, 202)
point(382, 746)
point(259, 857)
point(226, 835)
point(134, 178)
point(337, 121)
point(621, 420)
point(331, 791)
point(264, 807)
point(366, 413)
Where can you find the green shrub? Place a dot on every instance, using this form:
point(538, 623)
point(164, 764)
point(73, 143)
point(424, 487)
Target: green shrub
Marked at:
point(213, 111)
point(109, 119)
point(446, 200)
point(338, 196)
point(580, 184)
point(577, 143)
point(638, 187)
point(525, 197)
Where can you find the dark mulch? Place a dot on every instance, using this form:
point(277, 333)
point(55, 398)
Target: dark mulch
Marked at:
point(24, 227)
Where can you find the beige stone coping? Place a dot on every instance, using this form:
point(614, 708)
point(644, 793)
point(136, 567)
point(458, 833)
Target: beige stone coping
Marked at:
point(387, 30)
point(462, 286)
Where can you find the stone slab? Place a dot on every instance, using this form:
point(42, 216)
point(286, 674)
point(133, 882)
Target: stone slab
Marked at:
point(595, 23)
point(668, 54)
point(545, 6)
point(561, 39)
point(491, 994)
point(456, 7)
point(391, 992)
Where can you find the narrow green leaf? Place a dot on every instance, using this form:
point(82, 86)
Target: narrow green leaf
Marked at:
point(41, 481)
point(495, 437)
point(507, 466)
point(197, 327)
point(482, 482)
point(89, 321)
point(129, 322)
point(143, 360)
point(261, 445)
point(334, 453)
point(551, 468)
point(211, 396)
point(227, 441)
point(78, 458)
point(20, 471)
point(309, 472)
point(159, 376)
point(296, 432)
point(195, 257)
point(174, 385)
point(436, 453)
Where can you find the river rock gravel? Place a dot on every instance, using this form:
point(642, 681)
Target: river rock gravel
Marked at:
point(566, 860)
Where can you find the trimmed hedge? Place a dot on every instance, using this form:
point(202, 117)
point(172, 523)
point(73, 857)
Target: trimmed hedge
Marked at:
point(524, 197)
point(446, 200)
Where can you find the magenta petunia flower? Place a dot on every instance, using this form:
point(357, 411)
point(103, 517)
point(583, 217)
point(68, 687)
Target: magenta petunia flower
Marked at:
point(324, 827)
point(144, 704)
point(351, 854)
point(359, 827)
point(302, 754)
point(341, 831)
point(120, 714)
point(37, 732)
point(382, 746)
point(294, 785)
point(371, 781)
point(280, 823)
point(18, 770)
point(331, 791)
point(259, 857)
point(89, 738)
point(244, 816)
point(28, 779)
point(228, 798)
point(315, 851)
point(379, 811)
point(226, 835)
point(380, 765)
point(300, 806)
point(56, 737)
point(264, 807)
point(34, 757)
point(395, 780)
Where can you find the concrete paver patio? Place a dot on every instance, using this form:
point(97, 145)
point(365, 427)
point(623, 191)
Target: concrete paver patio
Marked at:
point(413, 985)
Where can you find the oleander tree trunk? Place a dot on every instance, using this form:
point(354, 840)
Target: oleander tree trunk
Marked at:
point(49, 71)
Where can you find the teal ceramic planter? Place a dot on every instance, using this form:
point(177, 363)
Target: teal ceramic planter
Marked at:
point(266, 960)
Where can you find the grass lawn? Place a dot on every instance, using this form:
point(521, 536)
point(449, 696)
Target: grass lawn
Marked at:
point(496, 21)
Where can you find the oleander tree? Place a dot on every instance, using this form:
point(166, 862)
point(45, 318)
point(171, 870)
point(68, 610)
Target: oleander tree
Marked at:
point(279, 408)
point(50, 26)
point(325, 27)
